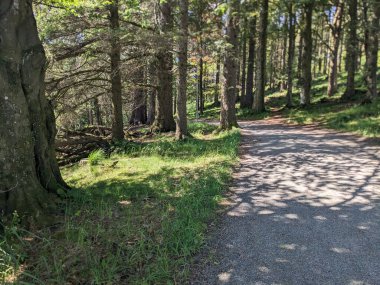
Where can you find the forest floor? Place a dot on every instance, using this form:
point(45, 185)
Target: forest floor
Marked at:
point(305, 210)
point(136, 217)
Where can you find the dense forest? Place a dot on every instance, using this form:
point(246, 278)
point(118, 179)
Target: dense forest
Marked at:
point(84, 80)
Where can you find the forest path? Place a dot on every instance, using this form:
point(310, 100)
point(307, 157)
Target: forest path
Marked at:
point(306, 210)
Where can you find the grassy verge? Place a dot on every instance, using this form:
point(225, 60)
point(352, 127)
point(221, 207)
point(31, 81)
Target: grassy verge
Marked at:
point(136, 222)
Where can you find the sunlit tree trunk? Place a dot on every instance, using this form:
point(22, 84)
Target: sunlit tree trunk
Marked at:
point(230, 62)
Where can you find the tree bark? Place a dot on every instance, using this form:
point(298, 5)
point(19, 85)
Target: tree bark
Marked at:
point(283, 59)
point(336, 31)
point(98, 114)
point(373, 48)
point(217, 83)
point(181, 129)
point(352, 46)
point(230, 62)
point(139, 108)
point(244, 61)
point(307, 54)
point(164, 120)
point(258, 101)
point(116, 86)
point(151, 94)
point(292, 39)
point(29, 173)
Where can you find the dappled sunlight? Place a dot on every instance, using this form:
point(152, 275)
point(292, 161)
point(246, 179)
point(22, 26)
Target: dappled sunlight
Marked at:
point(306, 209)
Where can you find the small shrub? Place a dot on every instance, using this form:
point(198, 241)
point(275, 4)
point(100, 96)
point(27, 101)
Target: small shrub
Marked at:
point(96, 157)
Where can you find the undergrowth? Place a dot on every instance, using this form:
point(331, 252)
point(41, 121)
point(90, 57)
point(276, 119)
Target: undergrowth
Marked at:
point(135, 218)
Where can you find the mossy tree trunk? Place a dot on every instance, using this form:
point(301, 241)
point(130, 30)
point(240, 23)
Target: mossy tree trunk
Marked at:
point(29, 174)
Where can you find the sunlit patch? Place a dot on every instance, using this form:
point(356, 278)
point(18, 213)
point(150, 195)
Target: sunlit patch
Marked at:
point(292, 216)
point(124, 203)
point(264, 269)
point(340, 250)
point(282, 260)
point(224, 277)
point(343, 216)
point(335, 208)
point(363, 228)
point(320, 218)
point(367, 208)
point(265, 212)
point(288, 246)
point(356, 282)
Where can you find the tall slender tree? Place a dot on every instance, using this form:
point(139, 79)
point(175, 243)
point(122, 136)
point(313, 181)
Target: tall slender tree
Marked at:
point(116, 86)
point(258, 101)
point(181, 129)
point(373, 48)
point(336, 31)
point(307, 53)
point(291, 50)
point(352, 47)
point(164, 120)
point(230, 65)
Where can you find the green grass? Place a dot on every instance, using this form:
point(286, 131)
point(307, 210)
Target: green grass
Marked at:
point(327, 111)
point(137, 222)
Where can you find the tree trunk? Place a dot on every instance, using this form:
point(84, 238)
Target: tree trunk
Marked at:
point(29, 173)
point(181, 130)
point(217, 83)
point(164, 121)
point(244, 61)
point(336, 31)
point(200, 81)
point(258, 102)
point(98, 114)
point(299, 61)
point(373, 48)
point(352, 46)
point(116, 86)
point(292, 39)
point(283, 59)
point(139, 108)
point(248, 100)
point(307, 55)
point(230, 62)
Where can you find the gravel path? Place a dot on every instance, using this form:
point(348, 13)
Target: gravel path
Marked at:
point(306, 211)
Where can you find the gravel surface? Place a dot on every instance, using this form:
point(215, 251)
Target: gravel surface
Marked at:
point(306, 210)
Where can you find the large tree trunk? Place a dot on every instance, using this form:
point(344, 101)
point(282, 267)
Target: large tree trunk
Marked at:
point(181, 130)
point(292, 39)
point(200, 80)
point(139, 108)
point(248, 100)
point(284, 50)
point(230, 62)
point(151, 94)
point(116, 86)
point(336, 30)
point(307, 54)
point(164, 120)
point(352, 46)
point(98, 113)
point(258, 102)
point(29, 173)
point(373, 48)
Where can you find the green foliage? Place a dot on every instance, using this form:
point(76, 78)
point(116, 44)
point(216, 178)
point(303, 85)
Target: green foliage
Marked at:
point(138, 222)
point(96, 157)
